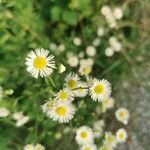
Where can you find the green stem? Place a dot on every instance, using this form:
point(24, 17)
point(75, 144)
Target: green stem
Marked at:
point(80, 88)
point(52, 82)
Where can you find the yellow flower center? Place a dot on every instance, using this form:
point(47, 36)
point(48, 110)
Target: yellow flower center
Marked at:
point(87, 70)
point(61, 111)
point(40, 63)
point(63, 95)
point(87, 148)
point(72, 84)
point(122, 114)
point(121, 136)
point(110, 139)
point(84, 135)
point(99, 89)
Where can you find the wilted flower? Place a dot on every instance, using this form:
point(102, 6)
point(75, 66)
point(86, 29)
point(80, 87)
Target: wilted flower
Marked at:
point(73, 61)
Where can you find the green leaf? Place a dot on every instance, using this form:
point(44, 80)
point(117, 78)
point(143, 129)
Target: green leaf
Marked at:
point(70, 17)
point(83, 4)
point(56, 13)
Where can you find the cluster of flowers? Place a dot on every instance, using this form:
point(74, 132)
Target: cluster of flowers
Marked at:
point(19, 118)
point(112, 15)
point(85, 135)
point(115, 46)
point(34, 147)
point(61, 108)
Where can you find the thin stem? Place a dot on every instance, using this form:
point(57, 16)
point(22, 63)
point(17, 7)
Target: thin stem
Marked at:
point(81, 88)
point(52, 82)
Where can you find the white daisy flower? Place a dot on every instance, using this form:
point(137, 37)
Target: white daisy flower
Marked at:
point(29, 147)
point(83, 91)
point(98, 132)
point(17, 115)
point(65, 95)
point(109, 51)
point(53, 46)
point(40, 63)
point(88, 147)
point(73, 61)
point(100, 90)
point(96, 42)
point(108, 103)
point(77, 41)
point(47, 107)
point(91, 51)
point(72, 81)
point(20, 119)
point(98, 128)
point(84, 135)
point(121, 135)
point(105, 10)
point(118, 13)
point(110, 139)
point(122, 115)
point(88, 61)
point(106, 147)
point(1, 93)
point(62, 112)
point(85, 69)
point(4, 112)
point(39, 147)
point(115, 44)
point(61, 48)
point(100, 31)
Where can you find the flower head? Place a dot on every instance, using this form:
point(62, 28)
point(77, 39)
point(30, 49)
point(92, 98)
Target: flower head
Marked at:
point(62, 112)
point(100, 90)
point(40, 63)
point(122, 115)
point(65, 95)
point(108, 103)
point(89, 147)
point(121, 135)
point(82, 91)
point(72, 81)
point(110, 139)
point(4, 112)
point(84, 135)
